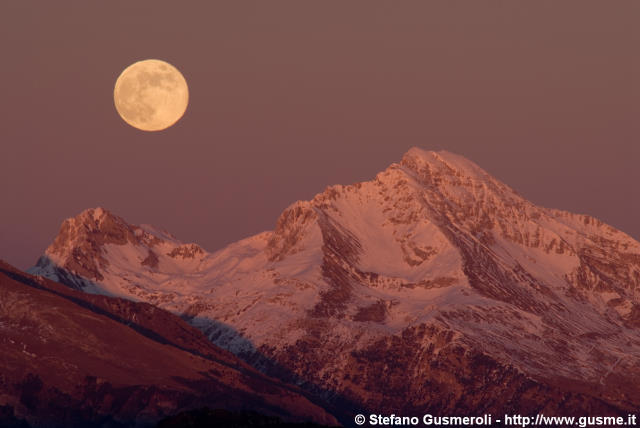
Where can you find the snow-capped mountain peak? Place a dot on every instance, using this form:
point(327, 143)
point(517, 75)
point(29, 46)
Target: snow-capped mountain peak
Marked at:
point(434, 253)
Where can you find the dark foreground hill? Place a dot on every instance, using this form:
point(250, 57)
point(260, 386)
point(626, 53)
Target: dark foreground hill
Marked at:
point(69, 359)
point(207, 418)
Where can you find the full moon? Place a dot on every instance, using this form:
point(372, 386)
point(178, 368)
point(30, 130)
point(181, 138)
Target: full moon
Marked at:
point(151, 95)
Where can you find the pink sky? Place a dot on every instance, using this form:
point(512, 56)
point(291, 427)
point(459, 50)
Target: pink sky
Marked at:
point(289, 97)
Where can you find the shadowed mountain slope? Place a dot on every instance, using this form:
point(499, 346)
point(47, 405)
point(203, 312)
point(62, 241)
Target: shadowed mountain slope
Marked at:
point(73, 359)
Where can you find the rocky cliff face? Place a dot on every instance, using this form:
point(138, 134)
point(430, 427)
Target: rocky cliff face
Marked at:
point(432, 287)
point(71, 359)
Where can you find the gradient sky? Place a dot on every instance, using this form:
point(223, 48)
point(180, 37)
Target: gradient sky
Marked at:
point(289, 97)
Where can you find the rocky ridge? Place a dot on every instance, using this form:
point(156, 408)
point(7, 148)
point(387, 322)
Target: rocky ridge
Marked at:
point(432, 287)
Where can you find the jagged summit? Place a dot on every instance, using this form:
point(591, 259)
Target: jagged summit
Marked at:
point(80, 252)
point(441, 160)
point(433, 261)
point(102, 222)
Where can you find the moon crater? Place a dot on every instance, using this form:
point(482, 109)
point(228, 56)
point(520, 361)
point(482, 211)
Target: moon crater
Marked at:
point(151, 95)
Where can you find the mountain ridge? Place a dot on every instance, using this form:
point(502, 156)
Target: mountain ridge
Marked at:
point(434, 256)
